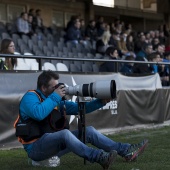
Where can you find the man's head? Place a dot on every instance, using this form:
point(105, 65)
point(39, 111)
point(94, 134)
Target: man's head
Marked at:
point(148, 48)
point(30, 18)
point(24, 16)
point(47, 81)
point(115, 35)
point(160, 48)
point(155, 57)
point(112, 52)
point(38, 12)
point(92, 23)
point(77, 24)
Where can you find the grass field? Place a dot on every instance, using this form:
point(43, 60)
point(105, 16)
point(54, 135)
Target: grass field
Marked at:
point(155, 157)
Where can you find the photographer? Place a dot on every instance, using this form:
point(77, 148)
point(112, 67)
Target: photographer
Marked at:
point(42, 127)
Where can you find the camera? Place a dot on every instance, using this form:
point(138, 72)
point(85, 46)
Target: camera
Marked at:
point(59, 84)
point(100, 89)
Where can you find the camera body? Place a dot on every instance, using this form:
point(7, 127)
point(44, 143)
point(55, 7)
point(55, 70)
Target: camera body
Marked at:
point(59, 84)
point(100, 89)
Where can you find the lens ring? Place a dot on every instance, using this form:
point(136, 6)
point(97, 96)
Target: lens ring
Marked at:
point(91, 90)
point(85, 91)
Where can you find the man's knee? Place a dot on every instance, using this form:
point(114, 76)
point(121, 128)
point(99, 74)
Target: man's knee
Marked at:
point(90, 129)
point(65, 131)
point(66, 134)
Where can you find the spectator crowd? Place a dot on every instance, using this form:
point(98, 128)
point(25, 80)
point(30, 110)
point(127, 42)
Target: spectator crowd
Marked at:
point(115, 40)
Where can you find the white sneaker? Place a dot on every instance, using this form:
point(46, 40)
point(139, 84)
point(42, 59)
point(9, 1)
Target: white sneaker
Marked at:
point(51, 162)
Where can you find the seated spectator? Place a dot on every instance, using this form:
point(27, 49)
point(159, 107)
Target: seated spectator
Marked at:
point(148, 37)
point(160, 48)
point(100, 25)
point(82, 28)
point(122, 44)
point(107, 27)
point(128, 28)
point(162, 37)
point(73, 34)
point(22, 24)
point(145, 51)
point(147, 68)
point(118, 28)
point(140, 42)
point(155, 57)
point(165, 71)
point(38, 21)
point(166, 30)
point(8, 47)
point(141, 68)
point(128, 67)
point(162, 70)
point(157, 33)
point(111, 54)
point(167, 56)
point(91, 31)
point(101, 30)
point(155, 42)
point(103, 43)
point(130, 43)
point(31, 12)
point(114, 38)
point(30, 25)
point(143, 56)
point(112, 27)
point(71, 22)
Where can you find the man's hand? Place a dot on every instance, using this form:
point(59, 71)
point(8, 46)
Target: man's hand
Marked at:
point(60, 90)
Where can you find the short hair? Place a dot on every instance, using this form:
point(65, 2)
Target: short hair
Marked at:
point(159, 44)
point(146, 45)
point(31, 10)
point(45, 77)
point(22, 14)
point(110, 50)
point(152, 56)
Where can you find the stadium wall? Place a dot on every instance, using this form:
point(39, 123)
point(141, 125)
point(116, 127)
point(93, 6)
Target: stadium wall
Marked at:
point(140, 101)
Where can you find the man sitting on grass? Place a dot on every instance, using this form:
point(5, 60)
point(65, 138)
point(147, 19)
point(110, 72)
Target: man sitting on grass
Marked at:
point(42, 127)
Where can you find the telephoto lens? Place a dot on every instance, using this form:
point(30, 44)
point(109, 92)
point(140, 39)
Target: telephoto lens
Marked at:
point(105, 89)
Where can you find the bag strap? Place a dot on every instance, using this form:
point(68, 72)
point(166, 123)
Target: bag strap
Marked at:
point(19, 115)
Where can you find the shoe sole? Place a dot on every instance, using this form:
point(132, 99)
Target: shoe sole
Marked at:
point(111, 159)
point(139, 152)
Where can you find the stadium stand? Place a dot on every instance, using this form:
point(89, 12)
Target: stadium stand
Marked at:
point(51, 42)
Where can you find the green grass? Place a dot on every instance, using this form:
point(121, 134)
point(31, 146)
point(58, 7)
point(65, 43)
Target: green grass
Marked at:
point(155, 157)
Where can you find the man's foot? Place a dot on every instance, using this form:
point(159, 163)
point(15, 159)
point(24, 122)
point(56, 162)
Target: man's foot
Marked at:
point(135, 150)
point(107, 158)
point(51, 162)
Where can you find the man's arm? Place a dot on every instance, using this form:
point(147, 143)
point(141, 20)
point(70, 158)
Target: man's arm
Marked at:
point(32, 107)
point(72, 107)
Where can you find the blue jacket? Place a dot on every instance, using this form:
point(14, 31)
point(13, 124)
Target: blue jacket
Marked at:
point(73, 33)
point(141, 54)
point(126, 68)
point(32, 107)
